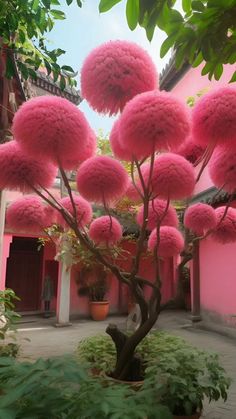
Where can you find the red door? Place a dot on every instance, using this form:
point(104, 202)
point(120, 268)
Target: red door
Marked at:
point(24, 273)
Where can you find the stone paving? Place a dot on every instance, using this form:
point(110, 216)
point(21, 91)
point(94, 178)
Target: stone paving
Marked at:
point(46, 340)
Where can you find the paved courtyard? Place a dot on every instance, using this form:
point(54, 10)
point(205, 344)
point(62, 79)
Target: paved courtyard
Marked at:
point(46, 340)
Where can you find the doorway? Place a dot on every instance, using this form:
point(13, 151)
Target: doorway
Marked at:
point(24, 273)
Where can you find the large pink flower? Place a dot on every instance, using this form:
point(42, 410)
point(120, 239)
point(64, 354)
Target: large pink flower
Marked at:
point(19, 171)
point(200, 218)
point(157, 212)
point(170, 242)
point(191, 151)
point(173, 177)
point(88, 149)
point(116, 146)
point(83, 210)
point(214, 117)
point(222, 168)
point(102, 179)
point(27, 213)
point(226, 225)
point(114, 73)
point(52, 128)
point(105, 230)
point(153, 121)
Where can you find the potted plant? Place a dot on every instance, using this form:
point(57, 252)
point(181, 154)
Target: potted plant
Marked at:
point(176, 374)
point(93, 282)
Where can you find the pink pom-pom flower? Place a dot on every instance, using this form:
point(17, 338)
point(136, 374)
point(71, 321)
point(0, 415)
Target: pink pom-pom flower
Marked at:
point(132, 193)
point(214, 117)
point(200, 218)
point(225, 231)
point(153, 121)
point(173, 177)
point(191, 151)
point(102, 179)
point(222, 168)
point(20, 172)
point(116, 145)
point(52, 128)
point(105, 230)
point(114, 73)
point(27, 213)
point(88, 150)
point(83, 210)
point(170, 242)
point(157, 212)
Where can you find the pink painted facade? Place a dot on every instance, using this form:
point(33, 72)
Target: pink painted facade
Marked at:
point(79, 306)
point(217, 261)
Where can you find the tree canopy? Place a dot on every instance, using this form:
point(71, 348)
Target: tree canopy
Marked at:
point(205, 31)
point(24, 26)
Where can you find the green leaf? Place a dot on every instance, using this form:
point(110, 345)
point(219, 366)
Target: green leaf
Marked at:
point(167, 44)
point(198, 5)
point(47, 3)
point(106, 5)
point(218, 71)
point(67, 68)
point(62, 82)
point(79, 3)
point(150, 32)
point(58, 14)
point(132, 13)
point(233, 78)
point(68, 2)
point(21, 36)
point(206, 69)
point(198, 60)
point(186, 5)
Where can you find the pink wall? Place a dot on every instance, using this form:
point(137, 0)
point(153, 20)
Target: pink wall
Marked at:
point(218, 278)
point(193, 82)
point(118, 295)
point(7, 239)
point(204, 181)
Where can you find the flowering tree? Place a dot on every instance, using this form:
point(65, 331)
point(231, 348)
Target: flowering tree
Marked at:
point(52, 133)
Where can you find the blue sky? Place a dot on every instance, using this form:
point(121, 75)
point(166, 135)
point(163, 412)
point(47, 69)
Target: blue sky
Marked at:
point(85, 28)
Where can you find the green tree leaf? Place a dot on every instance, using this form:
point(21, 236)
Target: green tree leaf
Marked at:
point(218, 71)
point(69, 2)
point(106, 5)
point(47, 3)
point(132, 13)
point(186, 5)
point(233, 78)
point(167, 44)
point(198, 5)
point(79, 3)
point(58, 14)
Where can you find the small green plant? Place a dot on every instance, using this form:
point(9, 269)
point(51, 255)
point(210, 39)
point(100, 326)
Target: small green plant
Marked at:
point(181, 375)
point(93, 282)
point(8, 319)
point(59, 388)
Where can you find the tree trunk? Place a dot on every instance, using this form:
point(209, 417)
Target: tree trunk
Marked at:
point(129, 366)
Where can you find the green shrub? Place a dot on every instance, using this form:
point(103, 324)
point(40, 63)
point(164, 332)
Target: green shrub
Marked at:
point(9, 349)
point(60, 389)
point(181, 374)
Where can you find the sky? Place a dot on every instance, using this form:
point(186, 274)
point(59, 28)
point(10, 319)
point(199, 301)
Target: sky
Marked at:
point(84, 29)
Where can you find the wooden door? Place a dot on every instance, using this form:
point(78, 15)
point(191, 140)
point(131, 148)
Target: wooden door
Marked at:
point(24, 277)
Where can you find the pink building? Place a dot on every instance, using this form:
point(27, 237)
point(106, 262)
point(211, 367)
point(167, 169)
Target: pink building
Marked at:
point(214, 267)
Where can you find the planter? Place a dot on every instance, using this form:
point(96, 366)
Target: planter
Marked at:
point(99, 310)
point(135, 385)
point(194, 416)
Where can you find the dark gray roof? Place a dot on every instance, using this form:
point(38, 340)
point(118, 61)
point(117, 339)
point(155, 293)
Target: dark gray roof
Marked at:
point(170, 76)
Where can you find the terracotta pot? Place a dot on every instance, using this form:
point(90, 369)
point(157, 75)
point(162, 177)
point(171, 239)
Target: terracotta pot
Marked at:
point(99, 309)
point(194, 416)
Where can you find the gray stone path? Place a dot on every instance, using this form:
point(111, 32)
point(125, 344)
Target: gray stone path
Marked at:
point(45, 341)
